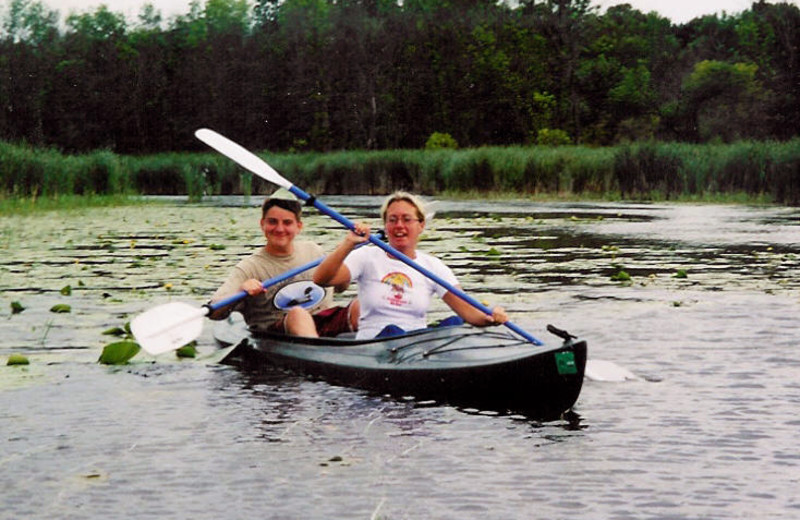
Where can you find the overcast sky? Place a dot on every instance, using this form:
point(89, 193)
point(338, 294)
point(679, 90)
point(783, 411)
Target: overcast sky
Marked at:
point(679, 11)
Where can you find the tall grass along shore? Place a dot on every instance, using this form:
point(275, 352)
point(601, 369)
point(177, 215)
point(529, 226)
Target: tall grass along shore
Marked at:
point(748, 170)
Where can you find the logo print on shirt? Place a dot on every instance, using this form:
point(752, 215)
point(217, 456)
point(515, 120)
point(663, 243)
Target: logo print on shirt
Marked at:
point(398, 283)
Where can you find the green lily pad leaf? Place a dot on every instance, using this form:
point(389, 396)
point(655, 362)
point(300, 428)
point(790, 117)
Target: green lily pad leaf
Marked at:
point(16, 307)
point(493, 252)
point(17, 359)
point(187, 351)
point(119, 353)
point(681, 274)
point(621, 276)
point(66, 290)
point(114, 331)
point(61, 308)
point(216, 247)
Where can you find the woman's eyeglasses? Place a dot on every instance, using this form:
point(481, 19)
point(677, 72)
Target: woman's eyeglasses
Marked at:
point(405, 220)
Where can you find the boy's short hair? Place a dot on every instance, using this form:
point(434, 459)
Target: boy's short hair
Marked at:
point(284, 199)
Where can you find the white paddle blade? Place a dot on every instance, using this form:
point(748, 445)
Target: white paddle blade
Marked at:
point(168, 327)
point(242, 156)
point(601, 370)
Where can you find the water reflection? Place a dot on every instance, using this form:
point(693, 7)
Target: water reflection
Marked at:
point(281, 397)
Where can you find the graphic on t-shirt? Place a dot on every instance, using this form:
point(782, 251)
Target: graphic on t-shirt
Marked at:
point(399, 283)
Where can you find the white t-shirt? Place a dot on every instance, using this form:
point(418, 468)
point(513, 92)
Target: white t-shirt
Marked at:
point(391, 292)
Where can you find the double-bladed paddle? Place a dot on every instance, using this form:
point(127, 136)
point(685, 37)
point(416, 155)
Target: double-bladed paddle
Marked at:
point(173, 325)
point(253, 163)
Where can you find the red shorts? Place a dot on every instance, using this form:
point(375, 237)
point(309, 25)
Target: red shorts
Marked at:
point(330, 322)
point(333, 321)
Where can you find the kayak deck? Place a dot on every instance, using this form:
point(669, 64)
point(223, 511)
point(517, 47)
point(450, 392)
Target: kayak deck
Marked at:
point(487, 369)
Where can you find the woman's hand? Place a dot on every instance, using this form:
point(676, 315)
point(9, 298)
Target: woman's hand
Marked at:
point(498, 316)
point(359, 235)
point(332, 272)
point(472, 315)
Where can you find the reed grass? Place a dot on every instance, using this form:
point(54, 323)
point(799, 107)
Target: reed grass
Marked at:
point(758, 171)
point(15, 205)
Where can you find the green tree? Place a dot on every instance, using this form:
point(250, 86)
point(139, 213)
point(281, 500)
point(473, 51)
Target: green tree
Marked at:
point(725, 101)
point(27, 47)
point(769, 36)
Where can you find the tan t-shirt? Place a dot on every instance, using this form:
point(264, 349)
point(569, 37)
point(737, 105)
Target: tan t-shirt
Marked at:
point(260, 311)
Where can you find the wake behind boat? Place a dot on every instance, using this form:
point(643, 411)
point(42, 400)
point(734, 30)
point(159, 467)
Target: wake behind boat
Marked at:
point(487, 369)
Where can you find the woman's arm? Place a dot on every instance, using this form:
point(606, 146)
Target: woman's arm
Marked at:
point(472, 315)
point(332, 271)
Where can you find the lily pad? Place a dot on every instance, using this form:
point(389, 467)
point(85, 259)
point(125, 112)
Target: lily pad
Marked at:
point(17, 359)
point(16, 307)
point(115, 331)
point(66, 290)
point(61, 308)
point(119, 353)
point(621, 276)
point(187, 351)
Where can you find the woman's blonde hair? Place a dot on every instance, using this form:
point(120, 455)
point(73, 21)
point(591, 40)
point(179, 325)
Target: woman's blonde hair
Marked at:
point(406, 197)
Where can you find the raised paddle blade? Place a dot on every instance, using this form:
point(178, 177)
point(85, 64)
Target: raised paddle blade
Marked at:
point(168, 327)
point(242, 156)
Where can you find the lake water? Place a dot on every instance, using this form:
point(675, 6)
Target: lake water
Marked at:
point(708, 320)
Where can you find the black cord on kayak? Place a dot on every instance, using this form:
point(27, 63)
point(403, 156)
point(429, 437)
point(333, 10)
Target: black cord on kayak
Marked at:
point(311, 200)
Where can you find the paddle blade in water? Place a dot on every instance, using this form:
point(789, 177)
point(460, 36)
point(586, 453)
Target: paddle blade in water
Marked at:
point(168, 327)
point(601, 370)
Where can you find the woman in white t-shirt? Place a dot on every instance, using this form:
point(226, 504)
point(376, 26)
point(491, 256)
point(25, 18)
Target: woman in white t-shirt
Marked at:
point(392, 293)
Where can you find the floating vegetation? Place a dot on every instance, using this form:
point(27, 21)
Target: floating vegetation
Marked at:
point(17, 359)
point(119, 353)
point(681, 273)
point(493, 252)
point(187, 351)
point(216, 247)
point(115, 331)
point(66, 290)
point(621, 276)
point(61, 308)
point(16, 307)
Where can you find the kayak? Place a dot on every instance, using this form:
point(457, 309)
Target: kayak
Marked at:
point(479, 368)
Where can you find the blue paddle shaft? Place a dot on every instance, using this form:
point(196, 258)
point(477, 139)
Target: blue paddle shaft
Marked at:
point(267, 283)
point(408, 261)
point(291, 273)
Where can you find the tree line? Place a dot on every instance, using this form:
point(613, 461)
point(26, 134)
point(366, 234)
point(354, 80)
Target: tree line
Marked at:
point(322, 75)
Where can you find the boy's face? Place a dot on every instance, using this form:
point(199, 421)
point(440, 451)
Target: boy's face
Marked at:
point(280, 226)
